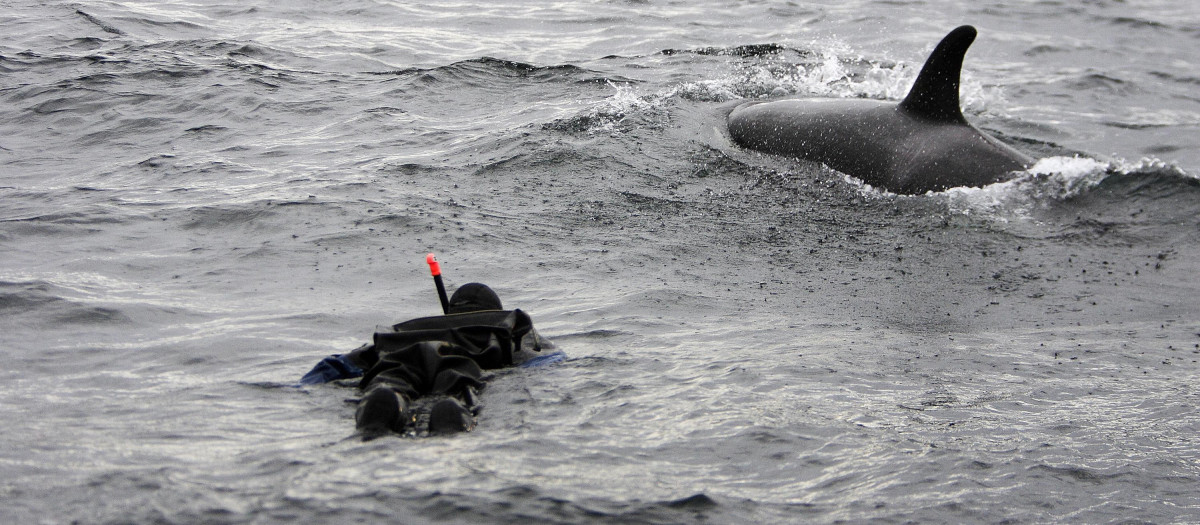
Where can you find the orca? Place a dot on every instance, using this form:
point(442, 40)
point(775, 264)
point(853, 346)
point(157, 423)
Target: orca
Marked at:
point(919, 145)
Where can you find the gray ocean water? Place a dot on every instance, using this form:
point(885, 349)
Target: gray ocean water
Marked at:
point(199, 200)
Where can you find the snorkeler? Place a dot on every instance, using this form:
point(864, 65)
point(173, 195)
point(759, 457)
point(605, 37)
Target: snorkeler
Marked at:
point(423, 375)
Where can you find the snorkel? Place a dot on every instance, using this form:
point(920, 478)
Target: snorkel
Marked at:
point(436, 270)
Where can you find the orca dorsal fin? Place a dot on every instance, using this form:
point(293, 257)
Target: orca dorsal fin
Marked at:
point(934, 96)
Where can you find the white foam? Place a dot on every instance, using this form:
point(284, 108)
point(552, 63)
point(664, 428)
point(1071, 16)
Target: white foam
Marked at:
point(1151, 165)
point(830, 75)
point(1049, 179)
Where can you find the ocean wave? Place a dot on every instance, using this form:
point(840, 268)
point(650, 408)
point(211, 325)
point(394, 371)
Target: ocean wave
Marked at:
point(834, 70)
point(22, 295)
point(827, 70)
point(1061, 179)
point(150, 23)
point(622, 111)
point(64, 299)
point(487, 71)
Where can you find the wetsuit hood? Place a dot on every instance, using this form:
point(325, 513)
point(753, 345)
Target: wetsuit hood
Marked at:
point(474, 297)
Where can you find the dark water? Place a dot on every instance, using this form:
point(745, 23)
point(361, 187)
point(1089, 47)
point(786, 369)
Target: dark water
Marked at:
point(198, 201)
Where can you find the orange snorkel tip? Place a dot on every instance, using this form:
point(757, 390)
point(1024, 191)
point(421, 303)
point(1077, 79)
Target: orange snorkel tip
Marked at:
point(436, 270)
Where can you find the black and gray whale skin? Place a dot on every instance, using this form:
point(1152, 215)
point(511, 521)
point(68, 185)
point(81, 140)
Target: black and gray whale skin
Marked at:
point(921, 144)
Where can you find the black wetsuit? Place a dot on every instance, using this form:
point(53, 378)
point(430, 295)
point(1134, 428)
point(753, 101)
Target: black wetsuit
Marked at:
point(422, 375)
